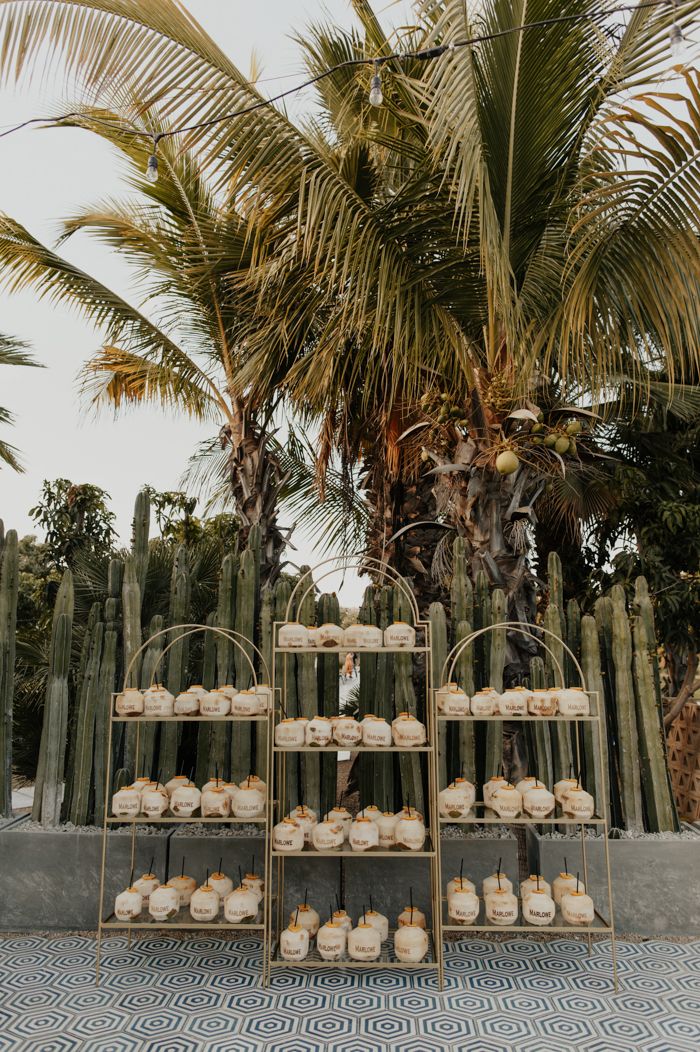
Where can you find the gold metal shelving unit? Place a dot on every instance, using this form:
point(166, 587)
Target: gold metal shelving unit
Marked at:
point(183, 920)
point(279, 804)
point(482, 815)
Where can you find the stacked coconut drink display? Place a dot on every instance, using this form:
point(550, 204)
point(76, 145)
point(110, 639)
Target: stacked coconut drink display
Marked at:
point(538, 900)
point(295, 636)
point(340, 939)
point(181, 798)
point(567, 702)
point(371, 829)
point(205, 902)
point(347, 732)
point(158, 703)
point(530, 797)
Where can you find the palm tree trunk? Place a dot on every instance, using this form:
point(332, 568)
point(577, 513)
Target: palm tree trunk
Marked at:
point(256, 477)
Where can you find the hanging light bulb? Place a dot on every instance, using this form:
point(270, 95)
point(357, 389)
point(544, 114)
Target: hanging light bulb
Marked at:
point(675, 36)
point(375, 88)
point(152, 169)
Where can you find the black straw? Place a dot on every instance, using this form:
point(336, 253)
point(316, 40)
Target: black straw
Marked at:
point(221, 859)
point(182, 870)
point(150, 864)
point(240, 876)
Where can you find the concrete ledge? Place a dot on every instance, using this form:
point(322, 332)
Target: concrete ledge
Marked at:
point(51, 878)
point(655, 884)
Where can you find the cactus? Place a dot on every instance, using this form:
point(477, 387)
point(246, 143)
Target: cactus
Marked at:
point(107, 684)
point(603, 611)
point(562, 752)
point(660, 809)
point(405, 701)
point(461, 591)
point(482, 618)
point(628, 743)
point(139, 538)
point(447, 748)
point(310, 763)
point(225, 618)
point(368, 695)
point(285, 677)
point(267, 616)
point(493, 758)
point(539, 738)
point(382, 704)
point(88, 701)
point(573, 641)
point(241, 737)
point(328, 695)
point(49, 781)
point(150, 669)
point(9, 582)
point(464, 670)
point(177, 657)
point(131, 606)
point(115, 578)
point(596, 777)
point(94, 617)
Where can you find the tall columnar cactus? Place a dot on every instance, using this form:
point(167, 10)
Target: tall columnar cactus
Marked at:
point(368, 691)
point(405, 701)
point(628, 739)
point(88, 702)
point(438, 648)
point(310, 763)
point(139, 538)
point(464, 670)
point(573, 641)
point(131, 621)
point(603, 612)
point(285, 679)
point(151, 671)
point(115, 578)
point(226, 619)
point(49, 781)
point(242, 756)
point(177, 657)
point(107, 686)
point(461, 591)
point(328, 692)
point(541, 763)
point(493, 759)
point(267, 616)
point(94, 617)
point(482, 618)
point(209, 737)
point(660, 809)
point(382, 703)
point(596, 774)
point(562, 752)
point(9, 580)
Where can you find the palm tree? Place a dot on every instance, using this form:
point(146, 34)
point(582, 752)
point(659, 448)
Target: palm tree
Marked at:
point(12, 352)
point(454, 276)
point(184, 248)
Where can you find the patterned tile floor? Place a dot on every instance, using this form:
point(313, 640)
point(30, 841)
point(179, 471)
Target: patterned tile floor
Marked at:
point(167, 995)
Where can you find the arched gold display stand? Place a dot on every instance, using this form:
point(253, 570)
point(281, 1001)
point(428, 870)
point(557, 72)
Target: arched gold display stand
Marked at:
point(183, 921)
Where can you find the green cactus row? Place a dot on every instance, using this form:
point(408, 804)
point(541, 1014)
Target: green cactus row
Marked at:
point(9, 582)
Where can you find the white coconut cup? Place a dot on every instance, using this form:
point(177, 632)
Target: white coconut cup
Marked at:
point(513, 703)
point(331, 941)
point(129, 702)
point(215, 704)
point(507, 802)
point(290, 734)
point(386, 826)
point(294, 943)
point(409, 832)
point(376, 732)
point(154, 802)
point(240, 905)
point(572, 701)
point(577, 908)
point(307, 917)
point(538, 908)
point(329, 636)
point(542, 702)
point(174, 783)
point(501, 907)
point(491, 786)
point(146, 884)
point(363, 835)
point(347, 732)
point(460, 884)
point(532, 884)
point(463, 906)
point(185, 800)
point(538, 802)
point(579, 804)
point(205, 904)
point(126, 803)
point(128, 904)
point(408, 732)
point(399, 635)
point(184, 887)
point(221, 884)
point(186, 703)
point(245, 703)
point(164, 903)
point(293, 636)
point(378, 921)
point(288, 835)
point(364, 943)
point(493, 883)
point(157, 701)
point(484, 702)
point(247, 802)
point(564, 883)
point(411, 915)
point(327, 835)
point(411, 944)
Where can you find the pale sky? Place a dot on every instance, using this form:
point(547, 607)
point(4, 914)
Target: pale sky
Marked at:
point(45, 175)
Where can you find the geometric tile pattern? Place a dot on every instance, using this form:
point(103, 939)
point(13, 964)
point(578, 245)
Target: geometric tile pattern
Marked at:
point(201, 993)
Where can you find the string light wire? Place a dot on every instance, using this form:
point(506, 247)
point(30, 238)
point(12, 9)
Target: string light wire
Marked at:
point(424, 54)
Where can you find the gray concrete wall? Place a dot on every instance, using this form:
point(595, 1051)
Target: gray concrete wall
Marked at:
point(655, 883)
point(51, 879)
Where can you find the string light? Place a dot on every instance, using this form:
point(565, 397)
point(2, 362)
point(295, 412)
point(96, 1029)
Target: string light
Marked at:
point(376, 95)
point(675, 35)
point(375, 87)
point(152, 168)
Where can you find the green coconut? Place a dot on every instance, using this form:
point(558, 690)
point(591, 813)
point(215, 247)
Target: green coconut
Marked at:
point(507, 462)
point(562, 444)
point(574, 427)
point(550, 440)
